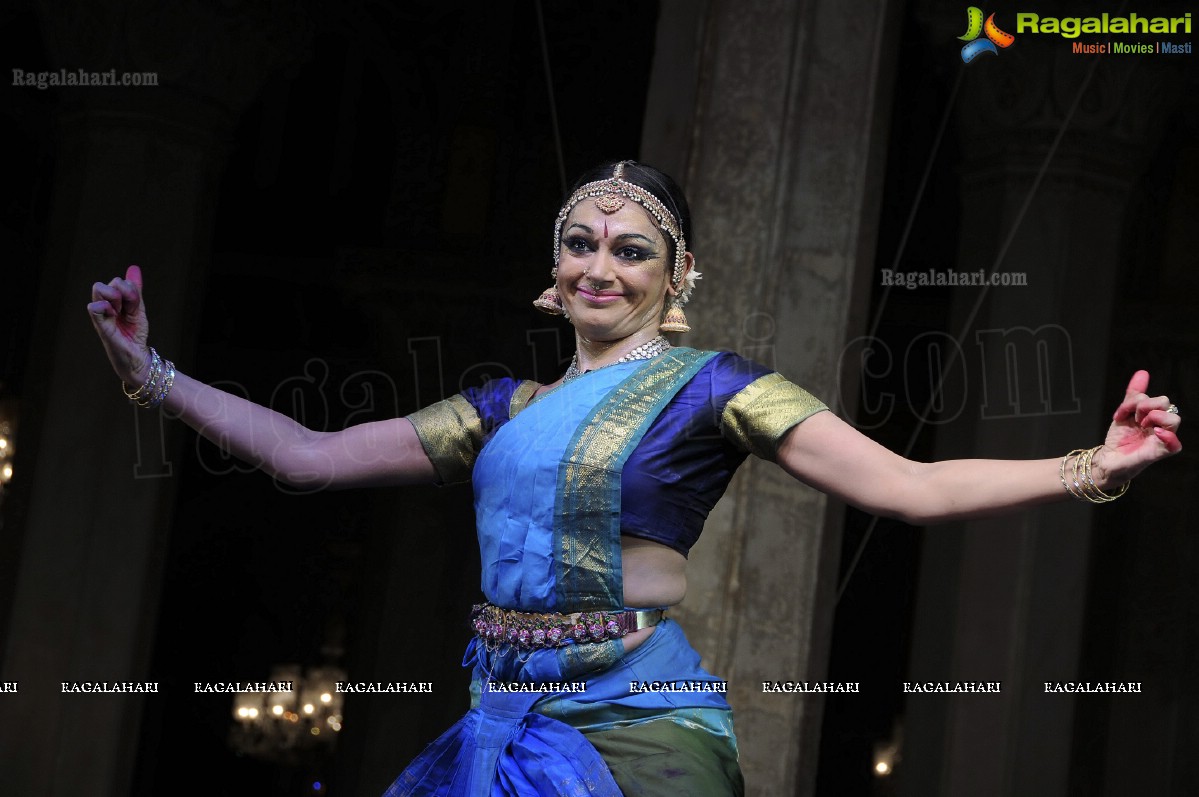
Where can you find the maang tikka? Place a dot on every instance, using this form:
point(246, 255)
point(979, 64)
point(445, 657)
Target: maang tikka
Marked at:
point(609, 196)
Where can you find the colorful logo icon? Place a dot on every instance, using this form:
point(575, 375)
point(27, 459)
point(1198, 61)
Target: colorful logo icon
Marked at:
point(974, 27)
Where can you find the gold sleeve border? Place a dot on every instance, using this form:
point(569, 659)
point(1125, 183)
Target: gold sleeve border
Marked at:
point(757, 418)
point(451, 433)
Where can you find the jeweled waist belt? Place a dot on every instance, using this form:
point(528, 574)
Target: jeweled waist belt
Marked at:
point(531, 630)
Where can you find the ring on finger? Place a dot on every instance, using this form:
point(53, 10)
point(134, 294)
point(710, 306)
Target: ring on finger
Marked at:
point(1172, 409)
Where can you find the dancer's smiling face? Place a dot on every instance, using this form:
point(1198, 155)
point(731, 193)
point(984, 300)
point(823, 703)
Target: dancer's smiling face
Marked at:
point(613, 271)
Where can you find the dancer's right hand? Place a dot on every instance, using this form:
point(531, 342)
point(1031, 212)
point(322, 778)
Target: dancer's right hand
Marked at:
point(119, 316)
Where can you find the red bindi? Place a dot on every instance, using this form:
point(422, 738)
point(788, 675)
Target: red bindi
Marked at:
point(605, 228)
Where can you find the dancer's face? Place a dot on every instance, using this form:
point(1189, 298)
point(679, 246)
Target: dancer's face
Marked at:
point(613, 271)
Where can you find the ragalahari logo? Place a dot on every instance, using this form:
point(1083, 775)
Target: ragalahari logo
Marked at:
point(974, 26)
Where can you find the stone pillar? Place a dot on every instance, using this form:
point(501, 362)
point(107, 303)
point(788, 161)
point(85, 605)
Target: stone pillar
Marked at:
point(1004, 599)
point(137, 170)
point(783, 151)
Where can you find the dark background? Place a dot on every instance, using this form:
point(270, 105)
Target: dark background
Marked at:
point(382, 225)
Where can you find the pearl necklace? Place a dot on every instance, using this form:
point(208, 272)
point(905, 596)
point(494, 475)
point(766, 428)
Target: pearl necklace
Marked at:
point(645, 351)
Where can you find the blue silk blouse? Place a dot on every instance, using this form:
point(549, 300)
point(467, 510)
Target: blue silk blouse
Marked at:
point(732, 407)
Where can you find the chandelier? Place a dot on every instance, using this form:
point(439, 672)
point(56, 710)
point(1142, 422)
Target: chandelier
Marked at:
point(290, 727)
point(7, 444)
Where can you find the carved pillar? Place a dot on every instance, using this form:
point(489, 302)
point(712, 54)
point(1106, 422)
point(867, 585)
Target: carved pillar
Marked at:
point(137, 169)
point(783, 172)
point(1003, 600)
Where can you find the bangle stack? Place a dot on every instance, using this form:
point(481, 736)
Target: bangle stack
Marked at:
point(157, 385)
point(1080, 484)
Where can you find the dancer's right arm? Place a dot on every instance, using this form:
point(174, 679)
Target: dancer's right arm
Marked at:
point(383, 452)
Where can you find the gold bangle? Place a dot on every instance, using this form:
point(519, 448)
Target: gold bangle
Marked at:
point(159, 381)
point(163, 389)
point(1071, 486)
point(1100, 494)
point(1082, 484)
point(1082, 473)
point(151, 378)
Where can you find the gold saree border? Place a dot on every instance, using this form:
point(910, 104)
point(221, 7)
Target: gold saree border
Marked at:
point(587, 507)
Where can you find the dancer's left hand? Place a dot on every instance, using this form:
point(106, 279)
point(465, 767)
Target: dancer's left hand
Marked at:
point(1143, 431)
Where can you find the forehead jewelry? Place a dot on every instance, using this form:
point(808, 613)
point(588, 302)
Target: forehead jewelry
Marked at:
point(609, 196)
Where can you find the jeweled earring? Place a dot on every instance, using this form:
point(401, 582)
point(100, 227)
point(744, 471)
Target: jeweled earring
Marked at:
point(550, 301)
point(674, 320)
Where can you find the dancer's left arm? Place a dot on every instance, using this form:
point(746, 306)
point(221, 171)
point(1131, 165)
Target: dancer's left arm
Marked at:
point(832, 456)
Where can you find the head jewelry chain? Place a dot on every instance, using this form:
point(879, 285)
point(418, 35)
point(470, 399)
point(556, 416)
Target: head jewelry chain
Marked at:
point(609, 196)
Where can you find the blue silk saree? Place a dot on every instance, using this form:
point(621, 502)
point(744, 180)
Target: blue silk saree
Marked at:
point(548, 501)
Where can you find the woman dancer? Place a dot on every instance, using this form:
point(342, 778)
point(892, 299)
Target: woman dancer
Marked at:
point(589, 492)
